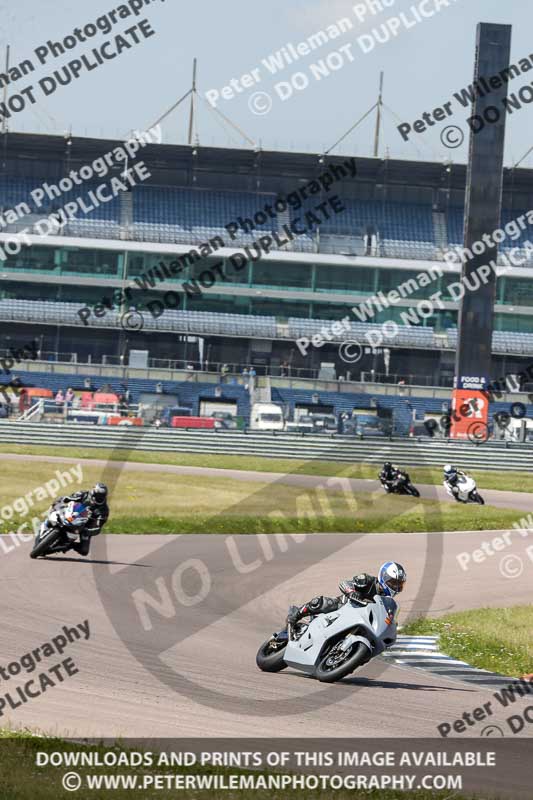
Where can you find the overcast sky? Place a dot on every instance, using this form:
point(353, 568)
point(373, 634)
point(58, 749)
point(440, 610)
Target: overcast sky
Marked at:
point(423, 65)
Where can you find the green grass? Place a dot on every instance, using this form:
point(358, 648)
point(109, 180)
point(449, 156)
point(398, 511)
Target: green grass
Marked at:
point(497, 639)
point(21, 779)
point(431, 519)
point(494, 479)
point(159, 502)
point(254, 525)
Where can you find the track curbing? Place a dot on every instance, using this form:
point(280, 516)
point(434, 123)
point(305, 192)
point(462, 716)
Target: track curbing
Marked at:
point(421, 652)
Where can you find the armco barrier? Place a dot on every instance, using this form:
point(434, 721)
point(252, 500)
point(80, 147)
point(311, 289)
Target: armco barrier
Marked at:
point(409, 452)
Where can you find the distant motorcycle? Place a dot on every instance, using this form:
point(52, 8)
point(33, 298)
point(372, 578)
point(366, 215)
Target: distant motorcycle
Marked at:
point(467, 490)
point(402, 485)
point(333, 645)
point(62, 527)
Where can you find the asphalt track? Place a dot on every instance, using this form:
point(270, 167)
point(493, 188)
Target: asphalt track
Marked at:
point(520, 501)
point(215, 689)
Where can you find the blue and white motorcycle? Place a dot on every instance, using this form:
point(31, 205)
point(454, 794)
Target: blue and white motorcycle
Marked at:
point(60, 529)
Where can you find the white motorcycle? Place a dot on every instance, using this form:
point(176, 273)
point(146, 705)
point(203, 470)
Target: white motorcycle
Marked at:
point(467, 490)
point(332, 645)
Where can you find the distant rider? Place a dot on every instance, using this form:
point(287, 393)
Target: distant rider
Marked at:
point(451, 479)
point(96, 501)
point(389, 582)
point(391, 475)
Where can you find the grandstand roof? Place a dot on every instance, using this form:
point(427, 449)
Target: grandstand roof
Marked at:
point(40, 155)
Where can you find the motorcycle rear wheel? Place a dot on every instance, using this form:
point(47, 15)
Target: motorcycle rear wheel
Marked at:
point(269, 660)
point(328, 673)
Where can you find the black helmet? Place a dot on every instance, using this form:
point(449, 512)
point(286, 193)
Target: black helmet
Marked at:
point(98, 494)
point(387, 467)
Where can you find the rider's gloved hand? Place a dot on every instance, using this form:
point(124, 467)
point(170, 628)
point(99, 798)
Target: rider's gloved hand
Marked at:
point(347, 587)
point(294, 615)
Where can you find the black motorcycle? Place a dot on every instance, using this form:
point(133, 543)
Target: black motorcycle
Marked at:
point(400, 485)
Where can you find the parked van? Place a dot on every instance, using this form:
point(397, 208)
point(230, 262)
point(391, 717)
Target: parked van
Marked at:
point(267, 417)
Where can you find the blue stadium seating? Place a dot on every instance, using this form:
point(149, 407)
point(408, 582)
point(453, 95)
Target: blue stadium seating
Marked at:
point(201, 207)
point(197, 215)
point(392, 220)
point(190, 393)
point(209, 322)
point(18, 190)
point(455, 223)
point(192, 216)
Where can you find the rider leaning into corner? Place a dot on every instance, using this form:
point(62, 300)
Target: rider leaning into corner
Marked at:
point(390, 474)
point(96, 501)
point(390, 581)
point(451, 478)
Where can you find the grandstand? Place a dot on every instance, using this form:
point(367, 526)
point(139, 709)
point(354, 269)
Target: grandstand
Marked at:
point(400, 410)
point(400, 218)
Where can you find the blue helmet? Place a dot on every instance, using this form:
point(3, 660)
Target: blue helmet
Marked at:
point(391, 578)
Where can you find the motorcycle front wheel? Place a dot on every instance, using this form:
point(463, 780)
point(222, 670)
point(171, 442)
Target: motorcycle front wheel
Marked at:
point(269, 657)
point(412, 490)
point(477, 498)
point(44, 545)
point(338, 663)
